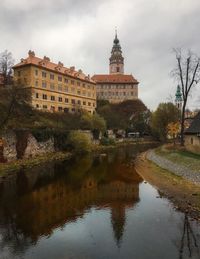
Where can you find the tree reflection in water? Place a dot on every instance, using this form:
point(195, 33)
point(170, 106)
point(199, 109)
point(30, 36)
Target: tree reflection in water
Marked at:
point(188, 239)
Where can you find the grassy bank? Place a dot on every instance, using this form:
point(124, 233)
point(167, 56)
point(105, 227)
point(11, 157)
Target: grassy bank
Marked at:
point(180, 156)
point(184, 194)
point(30, 162)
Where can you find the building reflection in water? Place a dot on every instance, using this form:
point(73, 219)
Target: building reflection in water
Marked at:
point(34, 203)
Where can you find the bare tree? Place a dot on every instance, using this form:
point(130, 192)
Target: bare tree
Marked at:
point(14, 104)
point(6, 63)
point(187, 73)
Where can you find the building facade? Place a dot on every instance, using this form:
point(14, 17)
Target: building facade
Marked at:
point(55, 87)
point(192, 135)
point(116, 86)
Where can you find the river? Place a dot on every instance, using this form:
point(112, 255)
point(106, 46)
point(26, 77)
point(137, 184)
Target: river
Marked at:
point(94, 206)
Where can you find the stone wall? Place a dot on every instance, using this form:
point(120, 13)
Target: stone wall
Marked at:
point(192, 143)
point(17, 145)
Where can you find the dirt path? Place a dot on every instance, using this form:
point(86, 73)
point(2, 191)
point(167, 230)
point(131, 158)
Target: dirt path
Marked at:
point(184, 194)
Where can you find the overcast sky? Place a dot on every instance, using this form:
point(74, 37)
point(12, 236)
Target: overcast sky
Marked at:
point(81, 32)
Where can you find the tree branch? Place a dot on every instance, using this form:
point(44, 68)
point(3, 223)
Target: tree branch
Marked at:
point(193, 77)
point(181, 74)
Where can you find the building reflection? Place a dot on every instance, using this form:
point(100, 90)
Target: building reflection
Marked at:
point(62, 193)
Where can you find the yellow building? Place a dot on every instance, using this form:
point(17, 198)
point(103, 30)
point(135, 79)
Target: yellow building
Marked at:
point(55, 87)
point(116, 86)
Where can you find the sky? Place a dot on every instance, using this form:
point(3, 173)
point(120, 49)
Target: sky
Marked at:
point(81, 33)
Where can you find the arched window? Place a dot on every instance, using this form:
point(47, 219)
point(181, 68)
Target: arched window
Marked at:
point(117, 69)
point(191, 141)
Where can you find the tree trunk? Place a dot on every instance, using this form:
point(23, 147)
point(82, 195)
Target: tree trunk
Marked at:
point(182, 123)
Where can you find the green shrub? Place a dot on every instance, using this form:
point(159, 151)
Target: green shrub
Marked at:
point(80, 142)
point(107, 141)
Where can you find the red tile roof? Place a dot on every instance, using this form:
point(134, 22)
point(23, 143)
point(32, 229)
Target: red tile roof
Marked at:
point(114, 78)
point(47, 64)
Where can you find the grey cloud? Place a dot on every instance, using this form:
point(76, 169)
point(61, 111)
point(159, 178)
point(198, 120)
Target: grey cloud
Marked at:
point(81, 33)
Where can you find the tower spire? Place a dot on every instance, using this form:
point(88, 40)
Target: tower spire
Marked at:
point(116, 59)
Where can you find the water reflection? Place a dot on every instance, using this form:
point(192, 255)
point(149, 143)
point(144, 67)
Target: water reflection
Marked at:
point(35, 203)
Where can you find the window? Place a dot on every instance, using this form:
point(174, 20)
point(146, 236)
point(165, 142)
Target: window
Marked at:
point(44, 84)
point(65, 88)
point(79, 92)
point(117, 69)
point(88, 86)
point(37, 95)
point(73, 110)
point(60, 99)
point(72, 82)
point(52, 76)
point(78, 83)
point(44, 74)
point(52, 98)
point(45, 107)
point(191, 141)
point(44, 96)
point(60, 108)
point(79, 102)
point(66, 110)
point(60, 78)
point(52, 87)
point(37, 106)
point(73, 101)
point(84, 103)
point(84, 85)
point(36, 72)
point(59, 87)
point(66, 80)
point(72, 90)
point(53, 108)
point(19, 73)
point(36, 83)
point(89, 103)
point(66, 100)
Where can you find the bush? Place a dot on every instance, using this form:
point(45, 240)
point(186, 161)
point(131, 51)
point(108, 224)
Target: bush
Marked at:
point(107, 141)
point(80, 142)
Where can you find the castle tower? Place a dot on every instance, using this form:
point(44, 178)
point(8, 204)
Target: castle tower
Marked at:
point(116, 60)
point(178, 99)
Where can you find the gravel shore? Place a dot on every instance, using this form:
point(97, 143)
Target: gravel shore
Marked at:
point(183, 171)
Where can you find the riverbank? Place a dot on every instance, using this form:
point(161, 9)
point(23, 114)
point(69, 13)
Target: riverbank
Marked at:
point(6, 168)
point(9, 167)
point(184, 193)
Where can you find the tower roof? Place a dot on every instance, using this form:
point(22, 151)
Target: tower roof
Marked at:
point(116, 41)
point(116, 52)
point(178, 94)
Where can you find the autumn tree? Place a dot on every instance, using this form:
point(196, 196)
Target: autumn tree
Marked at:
point(187, 73)
point(6, 63)
point(164, 114)
point(173, 129)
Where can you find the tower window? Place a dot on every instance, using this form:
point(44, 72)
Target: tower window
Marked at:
point(117, 69)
